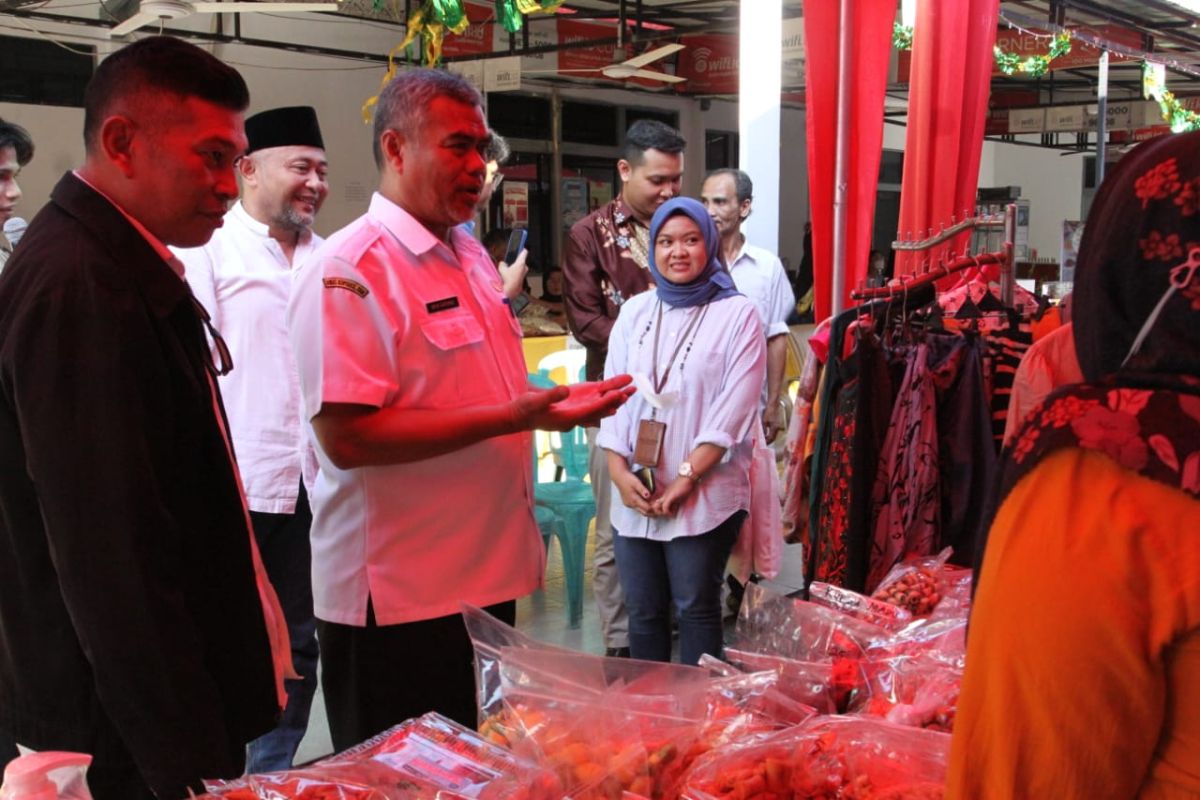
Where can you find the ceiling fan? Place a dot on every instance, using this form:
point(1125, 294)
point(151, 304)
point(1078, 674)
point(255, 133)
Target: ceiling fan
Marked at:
point(151, 11)
point(633, 67)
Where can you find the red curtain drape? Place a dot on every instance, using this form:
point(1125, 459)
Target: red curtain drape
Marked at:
point(947, 111)
point(870, 52)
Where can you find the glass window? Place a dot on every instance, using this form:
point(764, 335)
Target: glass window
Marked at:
point(519, 116)
point(589, 123)
point(632, 115)
point(41, 73)
point(720, 150)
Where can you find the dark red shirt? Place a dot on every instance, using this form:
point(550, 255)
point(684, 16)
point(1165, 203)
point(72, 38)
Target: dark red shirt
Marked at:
point(606, 261)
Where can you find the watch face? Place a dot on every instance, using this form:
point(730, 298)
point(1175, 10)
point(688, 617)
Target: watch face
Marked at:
point(685, 469)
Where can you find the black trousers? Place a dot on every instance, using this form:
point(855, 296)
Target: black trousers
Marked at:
point(377, 676)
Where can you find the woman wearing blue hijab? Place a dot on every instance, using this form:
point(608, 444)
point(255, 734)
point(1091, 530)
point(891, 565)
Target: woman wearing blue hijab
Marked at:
point(679, 450)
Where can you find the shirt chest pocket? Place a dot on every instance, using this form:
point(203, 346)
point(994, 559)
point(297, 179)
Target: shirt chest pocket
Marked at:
point(459, 373)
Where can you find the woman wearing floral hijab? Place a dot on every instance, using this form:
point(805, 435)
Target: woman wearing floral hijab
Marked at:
point(1083, 662)
point(698, 357)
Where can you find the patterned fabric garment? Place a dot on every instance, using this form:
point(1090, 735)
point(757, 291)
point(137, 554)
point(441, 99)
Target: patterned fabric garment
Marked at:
point(906, 501)
point(1002, 356)
point(829, 551)
point(967, 458)
point(797, 459)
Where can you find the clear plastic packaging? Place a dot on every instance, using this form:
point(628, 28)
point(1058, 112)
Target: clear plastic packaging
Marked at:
point(488, 636)
point(827, 758)
point(877, 612)
point(915, 584)
point(429, 758)
point(823, 685)
point(605, 726)
point(910, 690)
point(942, 640)
point(796, 629)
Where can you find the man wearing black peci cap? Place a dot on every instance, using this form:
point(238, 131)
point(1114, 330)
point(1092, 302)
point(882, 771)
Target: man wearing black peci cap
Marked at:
point(243, 277)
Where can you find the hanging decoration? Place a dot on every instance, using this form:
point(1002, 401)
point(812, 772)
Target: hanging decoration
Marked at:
point(1033, 66)
point(1179, 118)
point(509, 12)
point(1008, 63)
point(435, 18)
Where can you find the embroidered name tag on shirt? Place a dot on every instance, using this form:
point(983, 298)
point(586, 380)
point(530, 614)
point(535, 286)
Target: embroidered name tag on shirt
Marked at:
point(445, 304)
point(348, 284)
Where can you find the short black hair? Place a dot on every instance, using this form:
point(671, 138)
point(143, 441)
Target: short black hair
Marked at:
point(14, 136)
point(741, 182)
point(159, 64)
point(495, 236)
point(650, 134)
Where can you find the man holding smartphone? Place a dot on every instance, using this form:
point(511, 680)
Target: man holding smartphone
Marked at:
point(413, 377)
point(606, 262)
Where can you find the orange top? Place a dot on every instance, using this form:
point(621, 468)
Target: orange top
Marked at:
point(1083, 660)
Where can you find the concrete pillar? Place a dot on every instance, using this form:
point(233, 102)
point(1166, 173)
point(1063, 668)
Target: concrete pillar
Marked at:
point(760, 82)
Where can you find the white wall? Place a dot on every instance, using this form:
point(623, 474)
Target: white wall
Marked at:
point(1053, 183)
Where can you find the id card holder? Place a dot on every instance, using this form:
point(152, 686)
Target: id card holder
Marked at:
point(649, 442)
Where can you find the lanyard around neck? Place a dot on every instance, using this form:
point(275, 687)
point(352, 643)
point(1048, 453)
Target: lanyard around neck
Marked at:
point(660, 384)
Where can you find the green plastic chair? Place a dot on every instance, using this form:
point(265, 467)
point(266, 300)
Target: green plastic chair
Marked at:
point(572, 502)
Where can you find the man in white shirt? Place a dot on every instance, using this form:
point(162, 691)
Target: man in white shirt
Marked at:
point(243, 276)
point(728, 194)
point(413, 376)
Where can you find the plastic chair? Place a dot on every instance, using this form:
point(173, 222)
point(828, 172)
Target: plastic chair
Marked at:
point(572, 503)
point(571, 362)
point(549, 524)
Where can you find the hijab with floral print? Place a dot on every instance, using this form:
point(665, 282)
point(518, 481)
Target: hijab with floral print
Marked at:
point(1140, 234)
point(1136, 318)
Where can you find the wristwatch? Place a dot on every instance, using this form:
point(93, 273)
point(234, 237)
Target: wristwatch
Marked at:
point(686, 470)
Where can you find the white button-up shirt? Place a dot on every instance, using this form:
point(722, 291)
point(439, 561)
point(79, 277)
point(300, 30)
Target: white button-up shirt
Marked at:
point(243, 278)
point(387, 315)
point(715, 382)
point(760, 275)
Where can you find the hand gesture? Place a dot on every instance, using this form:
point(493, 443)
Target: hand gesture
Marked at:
point(772, 421)
point(666, 504)
point(633, 494)
point(564, 407)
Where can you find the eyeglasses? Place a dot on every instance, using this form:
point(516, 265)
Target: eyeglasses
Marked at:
point(218, 342)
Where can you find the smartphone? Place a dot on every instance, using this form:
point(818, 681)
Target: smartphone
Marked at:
point(519, 303)
point(646, 476)
point(516, 243)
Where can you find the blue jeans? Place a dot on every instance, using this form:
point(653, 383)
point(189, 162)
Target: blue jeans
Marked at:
point(287, 556)
point(686, 571)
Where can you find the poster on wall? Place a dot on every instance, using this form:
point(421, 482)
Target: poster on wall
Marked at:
point(516, 204)
point(574, 200)
point(600, 193)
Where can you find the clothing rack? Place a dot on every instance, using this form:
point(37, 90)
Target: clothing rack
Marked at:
point(911, 283)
